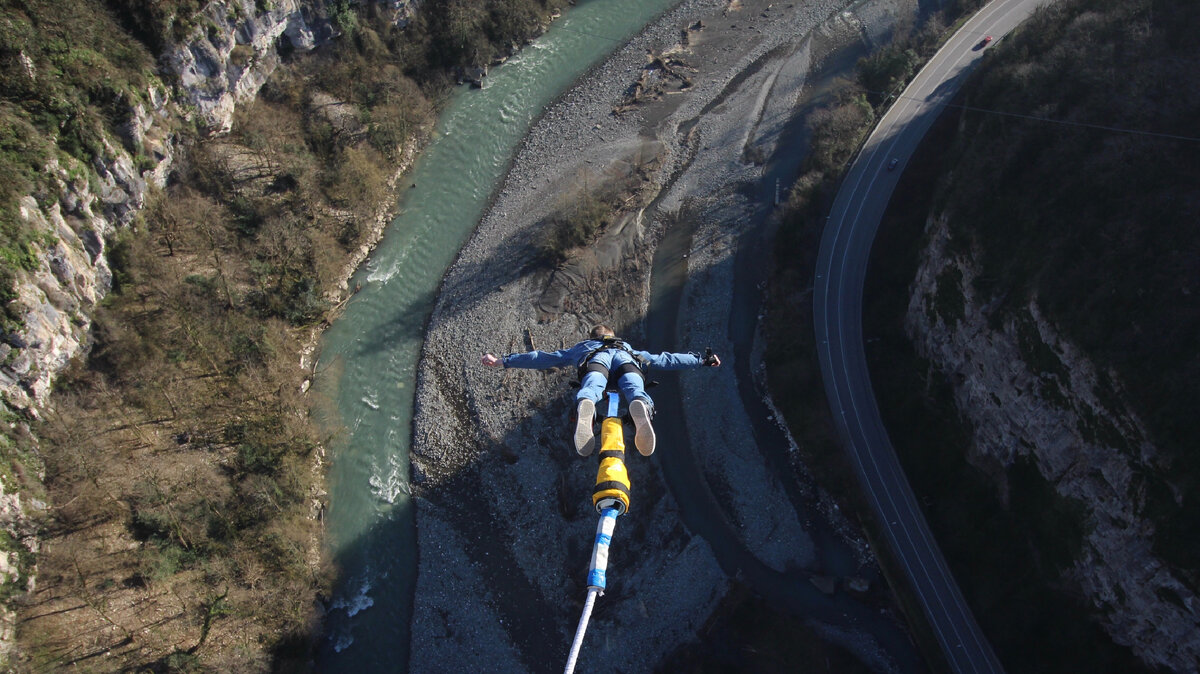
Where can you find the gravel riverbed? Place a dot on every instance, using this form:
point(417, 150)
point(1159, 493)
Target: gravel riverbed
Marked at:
point(502, 502)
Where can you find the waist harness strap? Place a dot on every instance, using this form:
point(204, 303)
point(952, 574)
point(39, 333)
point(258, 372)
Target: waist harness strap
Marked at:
point(588, 365)
point(615, 376)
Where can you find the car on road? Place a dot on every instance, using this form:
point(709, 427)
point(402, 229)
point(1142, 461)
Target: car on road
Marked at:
point(892, 163)
point(984, 42)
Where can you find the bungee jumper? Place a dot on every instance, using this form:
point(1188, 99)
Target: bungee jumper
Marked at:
point(606, 365)
point(607, 362)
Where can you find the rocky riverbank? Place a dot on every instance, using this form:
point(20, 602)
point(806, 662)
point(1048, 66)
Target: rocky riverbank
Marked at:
point(503, 517)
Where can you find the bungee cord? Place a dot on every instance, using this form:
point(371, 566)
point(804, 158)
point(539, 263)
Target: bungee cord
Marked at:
point(611, 499)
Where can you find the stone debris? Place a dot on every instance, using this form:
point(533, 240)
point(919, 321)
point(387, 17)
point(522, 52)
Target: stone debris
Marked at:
point(494, 446)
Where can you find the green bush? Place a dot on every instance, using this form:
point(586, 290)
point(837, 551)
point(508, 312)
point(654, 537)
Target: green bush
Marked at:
point(948, 298)
point(885, 72)
point(344, 16)
point(258, 458)
point(836, 131)
point(14, 584)
point(250, 349)
point(294, 298)
point(181, 662)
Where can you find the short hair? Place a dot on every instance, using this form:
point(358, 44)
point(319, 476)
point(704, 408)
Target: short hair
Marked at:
point(602, 331)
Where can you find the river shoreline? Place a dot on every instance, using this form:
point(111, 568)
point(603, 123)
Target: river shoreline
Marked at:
point(499, 495)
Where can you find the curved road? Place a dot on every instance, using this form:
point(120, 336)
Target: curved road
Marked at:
point(838, 291)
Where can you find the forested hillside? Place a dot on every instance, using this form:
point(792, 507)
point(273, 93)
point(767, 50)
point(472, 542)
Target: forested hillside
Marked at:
point(1032, 315)
point(1095, 215)
point(172, 480)
point(1051, 220)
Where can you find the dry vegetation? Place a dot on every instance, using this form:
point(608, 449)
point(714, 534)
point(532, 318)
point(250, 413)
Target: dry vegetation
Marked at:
point(592, 203)
point(183, 472)
point(180, 457)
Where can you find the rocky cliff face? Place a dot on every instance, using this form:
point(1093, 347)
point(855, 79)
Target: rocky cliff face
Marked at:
point(1030, 394)
point(236, 47)
point(233, 49)
point(73, 274)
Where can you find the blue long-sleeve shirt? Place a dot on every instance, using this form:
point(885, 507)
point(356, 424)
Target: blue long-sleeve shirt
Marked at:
point(573, 357)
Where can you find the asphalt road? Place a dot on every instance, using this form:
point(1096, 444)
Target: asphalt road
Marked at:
point(838, 293)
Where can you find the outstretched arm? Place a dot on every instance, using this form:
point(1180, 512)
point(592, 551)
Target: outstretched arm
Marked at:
point(680, 361)
point(539, 360)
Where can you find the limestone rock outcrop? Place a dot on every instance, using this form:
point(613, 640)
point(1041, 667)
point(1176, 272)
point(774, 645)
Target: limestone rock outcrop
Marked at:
point(236, 47)
point(72, 275)
point(1030, 394)
point(231, 52)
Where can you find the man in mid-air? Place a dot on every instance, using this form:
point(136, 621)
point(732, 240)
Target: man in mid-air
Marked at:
point(604, 361)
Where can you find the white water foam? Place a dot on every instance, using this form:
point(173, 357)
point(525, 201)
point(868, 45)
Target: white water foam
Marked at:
point(354, 604)
point(387, 487)
point(342, 642)
point(378, 275)
point(371, 399)
point(361, 600)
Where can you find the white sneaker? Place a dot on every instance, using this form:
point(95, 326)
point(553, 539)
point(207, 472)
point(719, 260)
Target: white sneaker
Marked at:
point(585, 440)
point(644, 438)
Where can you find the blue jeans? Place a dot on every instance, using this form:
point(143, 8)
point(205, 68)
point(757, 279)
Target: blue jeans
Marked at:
point(631, 385)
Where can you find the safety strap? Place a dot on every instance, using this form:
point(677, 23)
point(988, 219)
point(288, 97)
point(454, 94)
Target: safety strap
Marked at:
point(611, 484)
point(612, 343)
point(614, 376)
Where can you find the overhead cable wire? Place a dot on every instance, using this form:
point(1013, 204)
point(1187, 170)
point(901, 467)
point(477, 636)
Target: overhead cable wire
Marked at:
point(1050, 120)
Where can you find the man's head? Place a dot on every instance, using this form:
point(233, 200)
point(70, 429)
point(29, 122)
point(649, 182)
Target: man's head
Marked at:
point(602, 331)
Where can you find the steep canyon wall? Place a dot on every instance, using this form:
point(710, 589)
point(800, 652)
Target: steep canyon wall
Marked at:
point(232, 49)
point(1031, 395)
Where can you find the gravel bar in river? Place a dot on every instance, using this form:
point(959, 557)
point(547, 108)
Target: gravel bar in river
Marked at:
point(503, 509)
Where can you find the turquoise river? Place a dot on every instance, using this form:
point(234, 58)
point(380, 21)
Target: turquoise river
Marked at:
point(367, 367)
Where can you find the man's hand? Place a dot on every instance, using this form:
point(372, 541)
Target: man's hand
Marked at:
point(711, 359)
point(490, 360)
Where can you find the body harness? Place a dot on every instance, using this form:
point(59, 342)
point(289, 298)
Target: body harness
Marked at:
point(637, 366)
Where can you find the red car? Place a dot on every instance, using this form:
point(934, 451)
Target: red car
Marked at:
point(986, 40)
